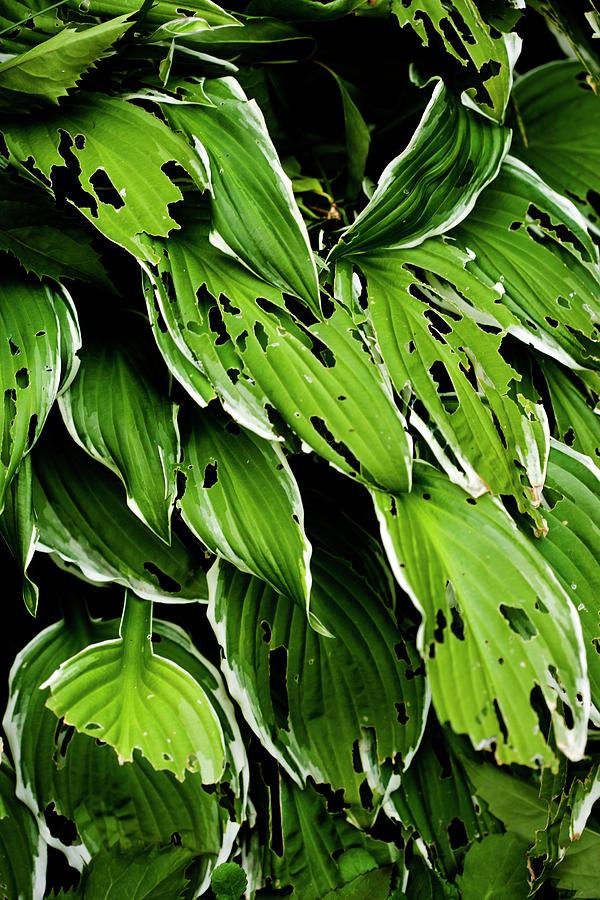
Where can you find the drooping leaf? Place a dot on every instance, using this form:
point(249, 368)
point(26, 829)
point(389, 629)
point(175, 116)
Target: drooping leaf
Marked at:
point(455, 370)
point(312, 840)
point(242, 501)
point(155, 873)
point(115, 410)
point(23, 853)
point(558, 121)
point(312, 699)
point(495, 868)
point(254, 212)
point(358, 138)
point(469, 38)
point(117, 181)
point(19, 529)
point(496, 625)
point(571, 544)
point(50, 69)
point(30, 369)
point(576, 415)
point(434, 183)
point(131, 804)
point(83, 517)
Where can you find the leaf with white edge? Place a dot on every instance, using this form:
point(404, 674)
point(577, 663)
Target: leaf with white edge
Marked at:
point(83, 517)
point(122, 693)
point(317, 703)
point(322, 852)
point(116, 411)
point(117, 181)
point(454, 368)
point(229, 881)
point(242, 501)
point(70, 338)
point(572, 510)
point(496, 624)
point(495, 869)
point(30, 369)
point(434, 183)
point(56, 765)
point(273, 243)
point(149, 873)
point(46, 241)
point(557, 129)
point(533, 245)
point(50, 69)
point(23, 853)
point(576, 413)
point(470, 39)
point(18, 527)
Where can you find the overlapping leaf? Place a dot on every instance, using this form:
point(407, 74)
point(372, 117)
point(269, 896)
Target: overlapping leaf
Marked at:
point(156, 874)
point(23, 853)
point(19, 529)
point(242, 501)
point(83, 518)
point(496, 625)
point(312, 699)
point(434, 183)
point(115, 410)
point(575, 411)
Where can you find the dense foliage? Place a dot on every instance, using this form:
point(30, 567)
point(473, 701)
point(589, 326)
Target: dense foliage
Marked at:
point(299, 309)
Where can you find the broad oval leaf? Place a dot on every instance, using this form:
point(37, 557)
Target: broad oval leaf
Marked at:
point(115, 410)
point(117, 181)
point(83, 517)
point(132, 804)
point(496, 623)
point(30, 369)
point(273, 242)
point(434, 183)
point(241, 500)
point(48, 70)
point(122, 693)
point(496, 867)
point(317, 702)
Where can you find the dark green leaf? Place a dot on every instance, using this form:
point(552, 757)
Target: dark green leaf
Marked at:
point(228, 882)
point(156, 873)
point(495, 869)
point(23, 853)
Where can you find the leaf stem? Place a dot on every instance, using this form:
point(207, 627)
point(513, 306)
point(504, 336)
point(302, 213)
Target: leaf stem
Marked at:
point(136, 628)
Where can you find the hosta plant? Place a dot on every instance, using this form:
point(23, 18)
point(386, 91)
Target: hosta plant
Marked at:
point(299, 449)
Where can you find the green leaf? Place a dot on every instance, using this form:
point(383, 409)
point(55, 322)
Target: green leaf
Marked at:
point(116, 411)
point(83, 517)
point(48, 70)
point(312, 699)
point(307, 10)
point(312, 840)
point(358, 137)
point(495, 869)
point(470, 39)
point(481, 433)
point(496, 622)
point(154, 873)
point(45, 241)
point(241, 500)
point(228, 881)
point(575, 413)
point(121, 692)
point(434, 183)
point(131, 804)
point(162, 11)
point(558, 120)
point(30, 369)
point(117, 181)
point(19, 529)
point(275, 243)
point(572, 511)
point(23, 853)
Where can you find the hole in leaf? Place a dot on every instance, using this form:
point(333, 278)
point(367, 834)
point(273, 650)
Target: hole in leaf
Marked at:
point(59, 826)
point(13, 347)
point(175, 839)
point(441, 625)
point(457, 833)
point(402, 714)
point(266, 630)
point(210, 475)
point(105, 190)
point(92, 726)
point(261, 336)
point(22, 378)
point(519, 621)
point(167, 757)
point(457, 626)
point(278, 660)
point(501, 722)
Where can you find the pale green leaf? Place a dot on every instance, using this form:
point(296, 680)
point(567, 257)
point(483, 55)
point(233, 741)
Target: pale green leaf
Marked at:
point(155, 873)
point(122, 693)
point(119, 182)
point(470, 39)
point(311, 698)
point(254, 212)
point(83, 518)
point(241, 500)
point(30, 368)
point(50, 69)
point(434, 183)
point(23, 853)
point(496, 622)
point(495, 869)
point(575, 412)
point(116, 411)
